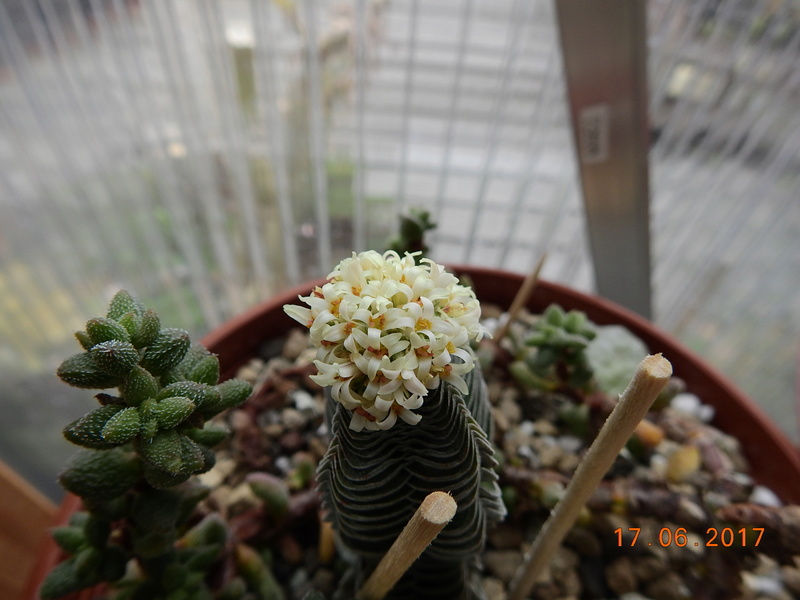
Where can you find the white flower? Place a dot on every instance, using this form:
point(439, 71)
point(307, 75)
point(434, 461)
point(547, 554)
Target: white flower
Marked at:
point(387, 331)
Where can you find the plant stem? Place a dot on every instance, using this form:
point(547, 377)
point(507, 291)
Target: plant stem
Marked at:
point(433, 514)
point(650, 378)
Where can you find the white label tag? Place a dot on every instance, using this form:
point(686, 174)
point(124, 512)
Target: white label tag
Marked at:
point(593, 128)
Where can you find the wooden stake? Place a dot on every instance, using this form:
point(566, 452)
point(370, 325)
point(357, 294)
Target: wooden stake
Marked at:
point(651, 376)
point(433, 514)
point(521, 299)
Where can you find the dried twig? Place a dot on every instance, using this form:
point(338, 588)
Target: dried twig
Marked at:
point(650, 378)
point(521, 299)
point(432, 515)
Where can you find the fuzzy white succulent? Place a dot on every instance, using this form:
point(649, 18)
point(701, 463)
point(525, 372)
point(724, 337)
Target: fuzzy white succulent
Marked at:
point(387, 331)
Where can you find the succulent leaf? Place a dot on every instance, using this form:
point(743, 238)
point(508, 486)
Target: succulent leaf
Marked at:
point(174, 577)
point(272, 490)
point(115, 561)
point(206, 371)
point(211, 434)
point(169, 412)
point(166, 351)
point(211, 531)
point(123, 302)
point(148, 330)
point(101, 475)
point(122, 427)
point(153, 543)
point(114, 357)
point(97, 530)
point(139, 386)
point(62, 580)
point(84, 340)
point(160, 479)
point(69, 538)
point(80, 370)
point(87, 561)
point(163, 452)
point(201, 394)
point(101, 329)
point(233, 392)
point(149, 428)
point(257, 574)
point(192, 456)
point(88, 430)
point(202, 557)
point(156, 510)
point(131, 321)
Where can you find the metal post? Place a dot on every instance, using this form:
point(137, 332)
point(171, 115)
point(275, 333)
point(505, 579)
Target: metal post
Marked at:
point(604, 45)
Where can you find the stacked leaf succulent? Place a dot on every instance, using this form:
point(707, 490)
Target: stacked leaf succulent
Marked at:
point(408, 413)
point(140, 448)
point(554, 355)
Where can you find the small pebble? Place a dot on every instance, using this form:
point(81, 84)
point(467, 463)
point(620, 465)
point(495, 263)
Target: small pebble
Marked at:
point(500, 420)
point(505, 536)
point(669, 586)
point(770, 585)
point(682, 463)
point(568, 463)
point(494, 589)
point(324, 580)
point(239, 419)
point(647, 568)
point(620, 576)
point(296, 342)
point(545, 427)
point(689, 404)
point(765, 497)
point(791, 579)
point(502, 564)
point(292, 441)
point(305, 402)
point(293, 419)
point(251, 370)
point(509, 408)
point(649, 434)
point(549, 455)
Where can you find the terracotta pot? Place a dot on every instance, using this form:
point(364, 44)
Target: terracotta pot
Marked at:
point(774, 461)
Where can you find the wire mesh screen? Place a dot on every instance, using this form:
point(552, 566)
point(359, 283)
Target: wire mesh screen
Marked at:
point(207, 153)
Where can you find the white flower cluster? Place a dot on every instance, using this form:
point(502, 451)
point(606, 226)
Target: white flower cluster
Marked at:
point(387, 331)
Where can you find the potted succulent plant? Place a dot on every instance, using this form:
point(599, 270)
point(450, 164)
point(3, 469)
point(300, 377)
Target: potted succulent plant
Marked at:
point(384, 395)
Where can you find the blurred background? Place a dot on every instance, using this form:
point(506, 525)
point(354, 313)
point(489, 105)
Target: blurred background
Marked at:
point(205, 154)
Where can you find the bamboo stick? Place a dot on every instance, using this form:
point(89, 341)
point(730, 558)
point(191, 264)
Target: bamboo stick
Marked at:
point(650, 378)
point(433, 514)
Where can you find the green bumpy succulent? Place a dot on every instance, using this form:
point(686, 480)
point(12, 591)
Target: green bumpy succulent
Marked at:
point(167, 389)
point(555, 353)
point(139, 449)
